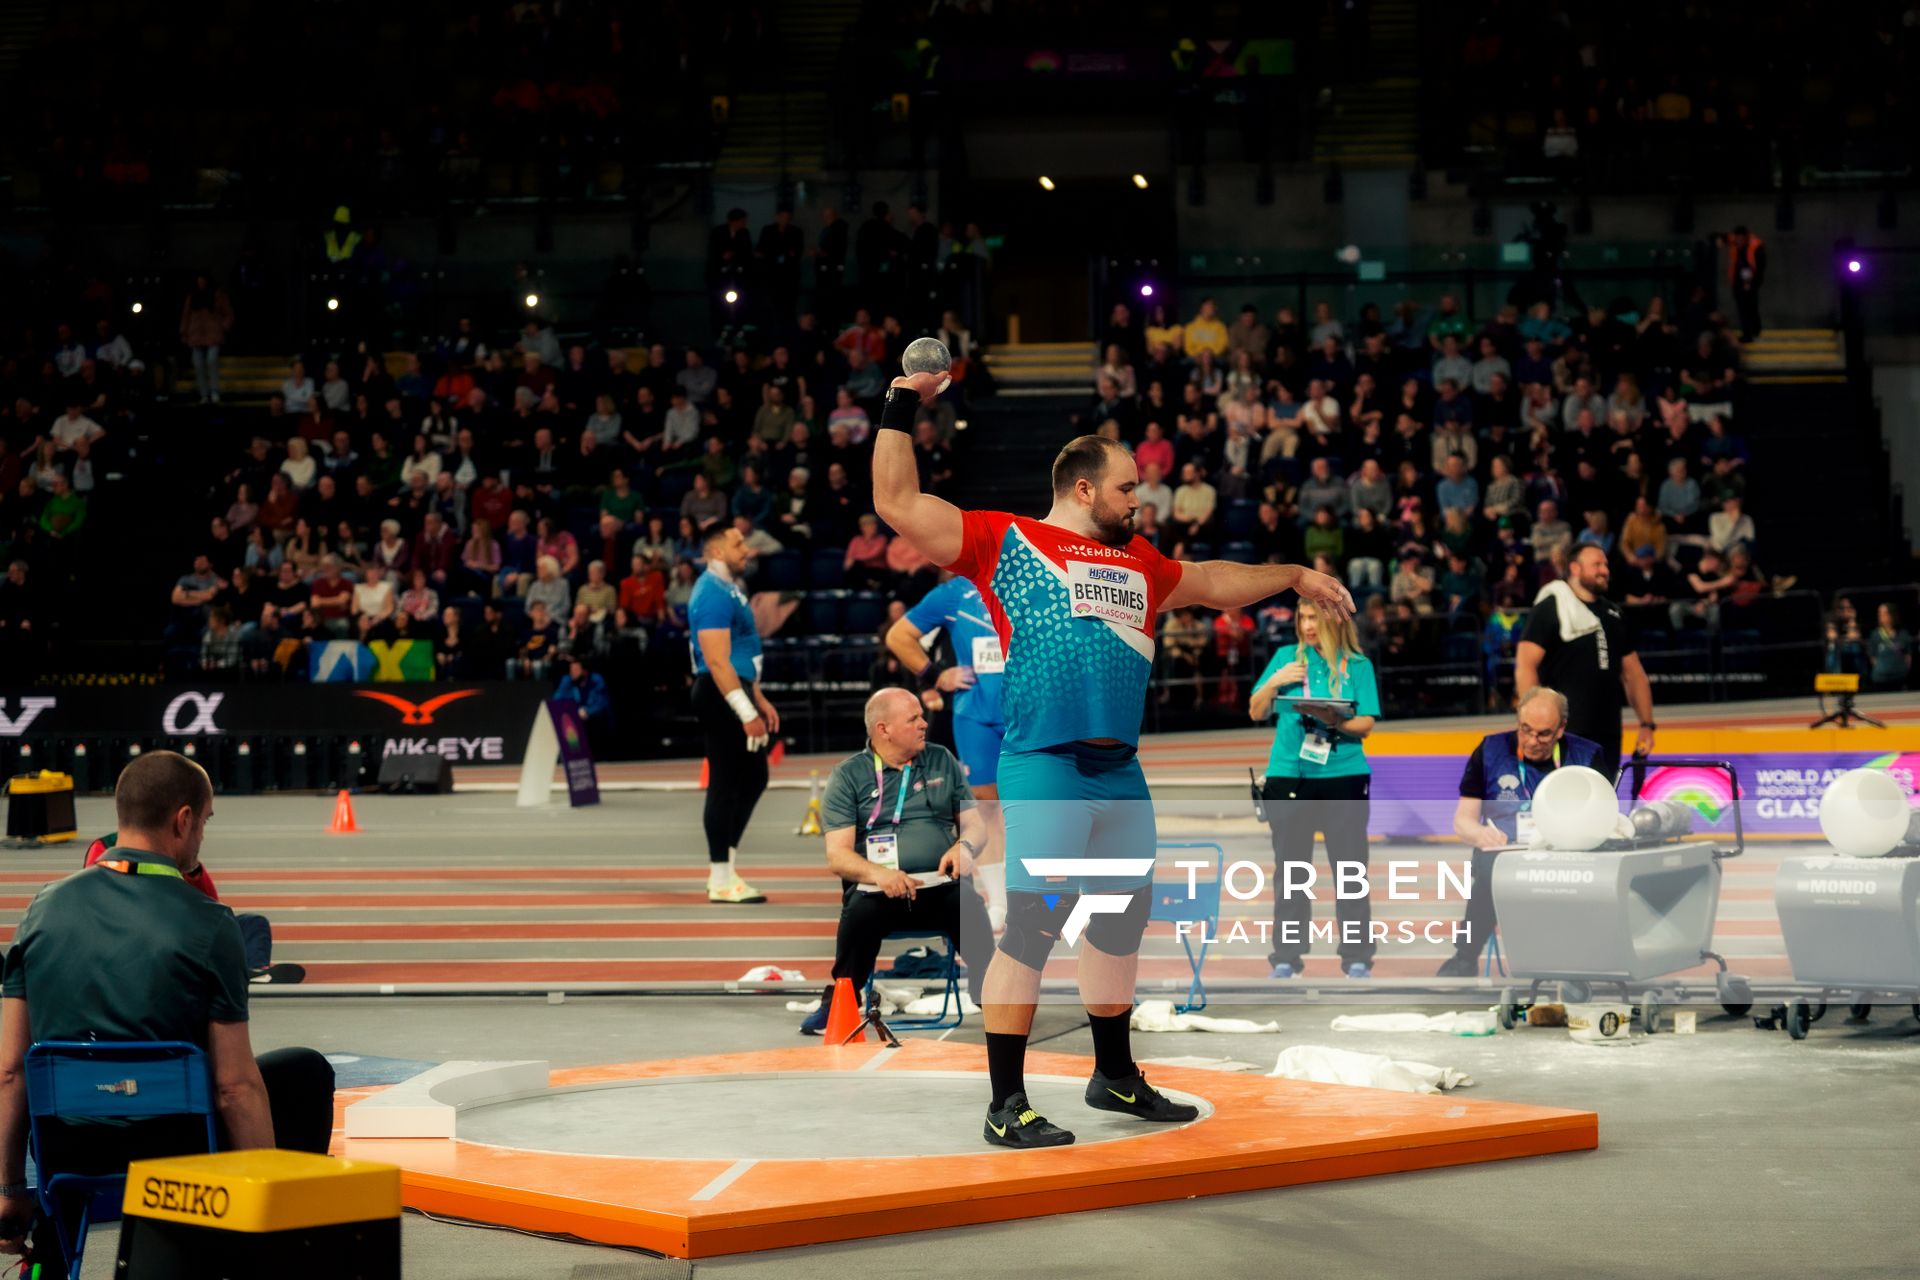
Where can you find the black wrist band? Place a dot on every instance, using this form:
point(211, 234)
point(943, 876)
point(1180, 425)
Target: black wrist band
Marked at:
point(899, 411)
point(930, 675)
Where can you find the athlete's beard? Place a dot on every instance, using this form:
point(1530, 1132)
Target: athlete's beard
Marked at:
point(1113, 525)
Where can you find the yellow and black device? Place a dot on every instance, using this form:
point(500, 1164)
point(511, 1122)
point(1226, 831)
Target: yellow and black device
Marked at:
point(243, 1214)
point(1845, 686)
point(40, 808)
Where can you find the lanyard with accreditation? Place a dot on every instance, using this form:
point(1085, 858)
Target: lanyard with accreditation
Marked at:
point(128, 867)
point(1316, 745)
point(1523, 825)
point(883, 848)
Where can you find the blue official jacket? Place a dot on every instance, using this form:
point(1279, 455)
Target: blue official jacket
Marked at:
point(1508, 781)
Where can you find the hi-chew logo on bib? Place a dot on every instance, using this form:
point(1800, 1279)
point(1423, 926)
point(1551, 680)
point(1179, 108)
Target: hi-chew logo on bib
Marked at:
point(987, 658)
point(1108, 592)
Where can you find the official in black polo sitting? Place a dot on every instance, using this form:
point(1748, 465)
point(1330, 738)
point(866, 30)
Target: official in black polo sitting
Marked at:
point(129, 950)
point(902, 833)
point(1496, 803)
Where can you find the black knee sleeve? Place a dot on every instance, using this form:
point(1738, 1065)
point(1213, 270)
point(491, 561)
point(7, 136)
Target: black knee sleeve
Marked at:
point(1033, 927)
point(1119, 933)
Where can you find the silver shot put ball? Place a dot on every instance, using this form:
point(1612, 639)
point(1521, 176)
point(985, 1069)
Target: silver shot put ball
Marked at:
point(928, 355)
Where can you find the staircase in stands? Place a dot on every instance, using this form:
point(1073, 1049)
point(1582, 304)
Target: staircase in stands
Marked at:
point(782, 130)
point(1817, 482)
point(1043, 368)
point(1375, 123)
point(21, 22)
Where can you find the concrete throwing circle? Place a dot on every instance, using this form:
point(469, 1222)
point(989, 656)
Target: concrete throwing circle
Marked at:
point(790, 1115)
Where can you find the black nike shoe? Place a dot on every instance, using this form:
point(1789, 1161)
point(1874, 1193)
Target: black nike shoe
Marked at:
point(1018, 1125)
point(1459, 965)
point(1133, 1096)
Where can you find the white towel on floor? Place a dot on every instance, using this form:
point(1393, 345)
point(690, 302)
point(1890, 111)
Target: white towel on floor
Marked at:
point(771, 973)
point(1476, 1022)
point(1158, 1015)
point(1322, 1065)
point(927, 1006)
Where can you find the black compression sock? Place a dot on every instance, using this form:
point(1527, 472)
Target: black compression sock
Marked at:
point(1006, 1066)
point(1112, 1046)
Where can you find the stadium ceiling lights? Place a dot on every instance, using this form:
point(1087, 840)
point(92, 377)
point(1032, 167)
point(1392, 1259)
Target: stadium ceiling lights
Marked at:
point(533, 300)
point(1046, 183)
point(1140, 181)
point(333, 304)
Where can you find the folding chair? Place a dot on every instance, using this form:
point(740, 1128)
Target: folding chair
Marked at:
point(1493, 959)
point(1172, 904)
point(952, 1009)
point(86, 1080)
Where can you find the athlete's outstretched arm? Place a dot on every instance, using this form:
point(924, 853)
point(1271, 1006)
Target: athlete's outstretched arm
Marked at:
point(1223, 584)
point(932, 526)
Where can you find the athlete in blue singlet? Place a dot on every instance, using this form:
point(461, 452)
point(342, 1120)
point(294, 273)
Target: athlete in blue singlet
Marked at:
point(1073, 599)
point(973, 682)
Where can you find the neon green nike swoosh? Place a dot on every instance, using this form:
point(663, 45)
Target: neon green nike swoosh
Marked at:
point(999, 1129)
point(1124, 1097)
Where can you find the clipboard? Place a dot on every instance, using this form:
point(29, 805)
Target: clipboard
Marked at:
point(1342, 708)
point(924, 879)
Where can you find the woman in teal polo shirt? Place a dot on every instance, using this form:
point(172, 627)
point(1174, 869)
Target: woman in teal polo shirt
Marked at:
point(1318, 780)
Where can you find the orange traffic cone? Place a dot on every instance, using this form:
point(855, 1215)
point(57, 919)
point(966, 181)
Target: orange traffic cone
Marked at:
point(343, 823)
point(703, 775)
point(843, 1019)
point(777, 756)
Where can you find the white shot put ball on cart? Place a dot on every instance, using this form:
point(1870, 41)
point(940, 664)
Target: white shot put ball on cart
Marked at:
point(928, 355)
point(1574, 809)
point(1864, 813)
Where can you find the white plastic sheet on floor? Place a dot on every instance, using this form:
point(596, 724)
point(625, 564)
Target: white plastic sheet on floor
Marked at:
point(1158, 1015)
point(1321, 1065)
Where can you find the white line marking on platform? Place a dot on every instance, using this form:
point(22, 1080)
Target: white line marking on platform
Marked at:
point(724, 1181)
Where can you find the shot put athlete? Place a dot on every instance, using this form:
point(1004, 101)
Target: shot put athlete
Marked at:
point(1073, 598)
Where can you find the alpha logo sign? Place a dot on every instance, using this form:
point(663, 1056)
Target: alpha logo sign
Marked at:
point(175, 718)
point(13, 725)
point(454, 748)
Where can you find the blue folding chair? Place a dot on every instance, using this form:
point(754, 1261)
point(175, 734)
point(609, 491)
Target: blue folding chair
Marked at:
point(1493, 959)
point(103, 1080)
point(953, 1010)
point(1172, 904)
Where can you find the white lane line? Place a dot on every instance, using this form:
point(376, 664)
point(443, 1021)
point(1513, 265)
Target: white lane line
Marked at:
point(724, 1181)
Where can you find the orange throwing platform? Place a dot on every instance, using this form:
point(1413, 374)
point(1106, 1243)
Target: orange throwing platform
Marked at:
point(1254, 1133)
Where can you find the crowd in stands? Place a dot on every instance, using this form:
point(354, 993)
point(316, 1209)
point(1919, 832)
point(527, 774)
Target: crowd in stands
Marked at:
point(509, 505)
point(1720, 92)
point(73, 397)
point(1445, 469)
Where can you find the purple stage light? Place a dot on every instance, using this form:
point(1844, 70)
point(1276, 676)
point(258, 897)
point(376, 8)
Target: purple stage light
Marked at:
point(1146, 291)
point(1853, 266)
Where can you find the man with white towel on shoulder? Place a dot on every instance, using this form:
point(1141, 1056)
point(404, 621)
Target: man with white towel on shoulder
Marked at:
point(1576, 641)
